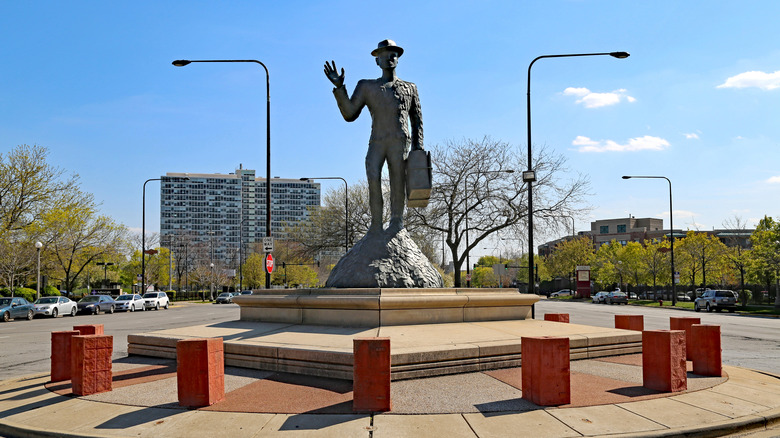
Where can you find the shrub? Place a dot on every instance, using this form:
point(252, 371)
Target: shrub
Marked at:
point(50, 291)
point(171, 294)
point(27, 294)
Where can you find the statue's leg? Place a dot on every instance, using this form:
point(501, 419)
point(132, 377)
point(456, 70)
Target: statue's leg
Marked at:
point(374, 160)
point(396, 167)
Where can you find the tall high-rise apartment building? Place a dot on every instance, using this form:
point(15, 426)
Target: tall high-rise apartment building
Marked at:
point(208, 215)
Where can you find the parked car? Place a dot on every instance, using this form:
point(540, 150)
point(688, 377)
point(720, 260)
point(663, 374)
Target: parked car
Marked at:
point(225, 298)
point(562, 293)
point(632, 296)
point(616, 297)
point(130, 302)
point(246, 292)
point(54, 306)
point(600, 297)
point(95, 304)
point(683, 297)
point(16, 307)
point(716, 300)
point(155, 300)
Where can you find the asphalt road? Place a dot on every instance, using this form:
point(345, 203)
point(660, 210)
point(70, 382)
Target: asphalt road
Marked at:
point(750, 342)
point(25, 346)
point(747, 341)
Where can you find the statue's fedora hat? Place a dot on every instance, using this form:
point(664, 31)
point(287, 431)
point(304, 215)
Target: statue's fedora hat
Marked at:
point(387, 45)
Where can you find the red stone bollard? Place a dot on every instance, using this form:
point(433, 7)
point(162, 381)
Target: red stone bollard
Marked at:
point(663, 360)
point(91, 364)
point(557, 317)
point(89, 329)
point(684, 323)
point(706, 350)
point(200, 371)
point(546, 371)
point(61, 354)
point(630, 322)
point(371, 375)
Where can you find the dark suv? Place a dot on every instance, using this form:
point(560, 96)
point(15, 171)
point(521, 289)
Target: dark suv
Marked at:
point(716, 300)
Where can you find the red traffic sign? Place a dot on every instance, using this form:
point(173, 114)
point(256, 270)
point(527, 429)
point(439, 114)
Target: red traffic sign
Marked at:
point(269, 263)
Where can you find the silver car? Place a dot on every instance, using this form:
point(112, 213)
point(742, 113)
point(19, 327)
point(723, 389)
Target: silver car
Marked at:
point(54, 306)
point(130, 302)
point(716, 300)
point(600, 297)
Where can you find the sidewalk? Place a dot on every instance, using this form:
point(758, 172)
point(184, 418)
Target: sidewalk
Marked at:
point(607, 399)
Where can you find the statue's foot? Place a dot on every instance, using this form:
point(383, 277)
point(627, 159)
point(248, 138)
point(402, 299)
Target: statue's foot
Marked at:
point(395, 226)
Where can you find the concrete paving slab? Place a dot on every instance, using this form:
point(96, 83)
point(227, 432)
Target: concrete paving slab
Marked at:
point(421, 426)
point(72, 414)
point(308, 425)
point(538, 423)
point(743, 392)
point(604, 420)
point(672, 413)
point(720, 403)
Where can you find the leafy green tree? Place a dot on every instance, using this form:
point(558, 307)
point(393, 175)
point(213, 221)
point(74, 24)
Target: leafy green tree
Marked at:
point(76, 236)
point(606, 267)
point(766, 254)
point(568, 255)
point(254, 271)
point(700, 257)
point(29, 186)
point(656, 260)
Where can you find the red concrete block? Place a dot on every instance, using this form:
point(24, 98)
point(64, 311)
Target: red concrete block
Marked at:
point(630, 322)
point(663, 360)
point(706, 350)
point(89, 329)
point(371, 375)
point(200, 371)
point(546, 371)
point(91, 363)
point(60, 354)
point(684, 323)
point(557, 317)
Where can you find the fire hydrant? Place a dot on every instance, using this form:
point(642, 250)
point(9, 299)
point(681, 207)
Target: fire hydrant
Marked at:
point(661, 303)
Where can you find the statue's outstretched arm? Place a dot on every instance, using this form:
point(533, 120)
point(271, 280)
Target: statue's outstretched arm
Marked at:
point(332, 73)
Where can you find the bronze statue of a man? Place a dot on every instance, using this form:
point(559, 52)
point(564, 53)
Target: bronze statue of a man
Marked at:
point(394, 107)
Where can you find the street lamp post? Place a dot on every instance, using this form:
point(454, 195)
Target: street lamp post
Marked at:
point(466, 214)
point(529, 176)
point(143, 235)
point(346, 207)
point(182, 63)
point(38, 246)
point(671, 228)
point(105, 266)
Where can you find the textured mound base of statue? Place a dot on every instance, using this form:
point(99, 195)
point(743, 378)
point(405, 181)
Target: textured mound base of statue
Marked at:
point(377, 307)
point(384, 259)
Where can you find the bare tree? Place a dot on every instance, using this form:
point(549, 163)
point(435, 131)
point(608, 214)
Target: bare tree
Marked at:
point(470, 180)
point(17, 258)
point(736, 253)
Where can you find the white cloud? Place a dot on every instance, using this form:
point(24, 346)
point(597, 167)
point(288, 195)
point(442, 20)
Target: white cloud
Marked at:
point(758, 79)
point(634, 144)
point(595, 100)
point(691, 136)
point(774, 180)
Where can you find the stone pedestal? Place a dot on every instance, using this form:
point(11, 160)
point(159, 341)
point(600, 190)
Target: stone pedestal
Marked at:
point(557, 317)
point(371, 381)
point(663, 360)
point(89, 329)
point(386, 260)
point(684, 323)
point(630, 322)
point(91, 364)
point(546, 371)
point(200, 371)
point(706, 351)
point(61, 354)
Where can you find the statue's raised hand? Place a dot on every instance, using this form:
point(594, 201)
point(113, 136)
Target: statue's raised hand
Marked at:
point(333, 75)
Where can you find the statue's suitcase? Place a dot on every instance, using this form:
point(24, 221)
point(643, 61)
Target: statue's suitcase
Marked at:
point(419, 178)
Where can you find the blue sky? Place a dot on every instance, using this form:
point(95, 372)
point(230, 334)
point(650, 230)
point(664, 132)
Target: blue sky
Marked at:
point(697, 101)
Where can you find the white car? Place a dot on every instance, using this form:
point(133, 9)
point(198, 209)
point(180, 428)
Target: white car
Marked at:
point(130, 302)
point(54, 306)
point(155, 300)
